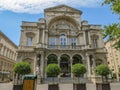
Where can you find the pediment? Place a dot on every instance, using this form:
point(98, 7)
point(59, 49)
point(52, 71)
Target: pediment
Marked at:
point(62, 8)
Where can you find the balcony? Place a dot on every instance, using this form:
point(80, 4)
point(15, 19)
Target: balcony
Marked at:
point(66, 47)
point(26, 48)
point(52, 47)
point(63, 47)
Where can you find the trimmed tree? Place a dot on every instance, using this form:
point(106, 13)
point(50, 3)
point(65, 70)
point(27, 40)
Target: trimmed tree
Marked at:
point(53, 70)
point(22, 68)
point(102, 70)
point(78, 70)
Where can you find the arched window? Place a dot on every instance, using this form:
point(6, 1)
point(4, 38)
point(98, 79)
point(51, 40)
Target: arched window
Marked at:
point(52, 58)
point(77, 59)
point(63, 40)
point(65, 65)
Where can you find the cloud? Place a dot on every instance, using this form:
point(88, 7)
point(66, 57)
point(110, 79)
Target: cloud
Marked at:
point(37, 6)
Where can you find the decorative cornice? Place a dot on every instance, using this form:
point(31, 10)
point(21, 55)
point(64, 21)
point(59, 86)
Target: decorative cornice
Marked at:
point(10, 41)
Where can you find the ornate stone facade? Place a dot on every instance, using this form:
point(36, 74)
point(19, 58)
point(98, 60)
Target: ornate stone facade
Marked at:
point(65, 38)
point(113, 56)
point(7, 58)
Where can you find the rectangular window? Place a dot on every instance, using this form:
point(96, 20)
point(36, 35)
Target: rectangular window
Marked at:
point(52, 42)
point(95, 44)
point(73, 41)
point(29, 41)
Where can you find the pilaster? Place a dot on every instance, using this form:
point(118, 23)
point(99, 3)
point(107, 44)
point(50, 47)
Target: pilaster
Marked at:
point(88, 65)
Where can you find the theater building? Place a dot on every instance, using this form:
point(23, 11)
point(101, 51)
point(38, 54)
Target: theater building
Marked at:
point(61, 37)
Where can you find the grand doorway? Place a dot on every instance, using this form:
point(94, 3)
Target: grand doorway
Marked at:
point(65, 66)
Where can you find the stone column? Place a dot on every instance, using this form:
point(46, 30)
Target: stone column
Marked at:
point(59, 65)
point(59, 61)
point(71, 62)
point(2, 50)
point(89, 38)
point(40, 37)
point(13, 55)
point(94, 65)
point(43, 38)
point(57, 40)
point(5, 50)
point(45, 76)
point(42, 68)
point(46, 39)
point(35, 65)
point(84, 37)
point(88, 65)
point(8, 53)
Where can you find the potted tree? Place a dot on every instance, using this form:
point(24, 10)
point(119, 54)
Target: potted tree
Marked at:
point(78, 70)
point(21, 69)
point(103, 70)
point(53, 70)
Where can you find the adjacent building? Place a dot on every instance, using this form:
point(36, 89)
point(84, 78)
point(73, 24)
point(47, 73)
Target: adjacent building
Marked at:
point(113, 58)
point(61, 37)
point(7, 58)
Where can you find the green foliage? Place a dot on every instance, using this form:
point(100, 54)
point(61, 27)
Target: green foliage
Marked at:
point(78, 69)
point(114, 4)
point(52, 70)
point(22, 68)
point(113, 31)
point(102, 70)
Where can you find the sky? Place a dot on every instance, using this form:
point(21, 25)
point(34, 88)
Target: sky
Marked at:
point(13, 12)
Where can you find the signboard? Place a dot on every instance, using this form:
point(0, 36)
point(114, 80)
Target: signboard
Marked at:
point(28, 85)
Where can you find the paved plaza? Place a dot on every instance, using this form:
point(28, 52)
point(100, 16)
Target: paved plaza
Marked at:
point(8, 86)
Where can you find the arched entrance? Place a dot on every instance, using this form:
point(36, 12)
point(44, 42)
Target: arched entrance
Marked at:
point(65, 66)
point(77, 59)
point(52, 58)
